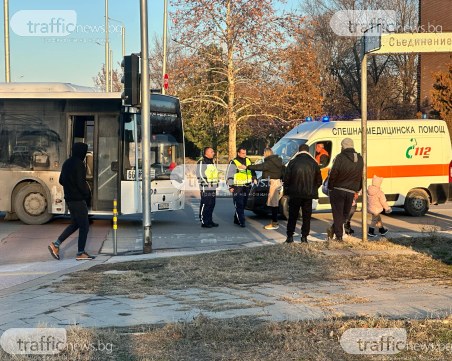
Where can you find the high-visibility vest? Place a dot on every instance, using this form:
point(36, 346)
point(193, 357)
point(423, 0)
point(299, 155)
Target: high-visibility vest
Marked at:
point(211, 174)
point(242, 176)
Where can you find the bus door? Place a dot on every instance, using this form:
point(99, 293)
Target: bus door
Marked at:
point(100, 132)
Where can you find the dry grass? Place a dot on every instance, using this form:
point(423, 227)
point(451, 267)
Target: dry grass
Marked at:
point(433, 246)
point(247, 339)
point(280, 264)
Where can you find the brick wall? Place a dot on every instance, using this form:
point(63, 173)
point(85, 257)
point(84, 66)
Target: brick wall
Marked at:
point(433, 14)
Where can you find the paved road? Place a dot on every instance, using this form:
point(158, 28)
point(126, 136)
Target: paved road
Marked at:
point(180, 230)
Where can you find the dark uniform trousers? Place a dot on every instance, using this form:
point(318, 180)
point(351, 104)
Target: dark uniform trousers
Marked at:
point(208, 198)
point(240, 197)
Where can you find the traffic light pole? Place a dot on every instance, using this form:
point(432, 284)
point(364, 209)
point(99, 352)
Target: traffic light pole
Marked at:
point(364, 142)
point(146, 128)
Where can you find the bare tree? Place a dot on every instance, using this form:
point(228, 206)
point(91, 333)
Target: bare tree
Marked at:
point(100, 82)
point(392, 79)
point(247, 32)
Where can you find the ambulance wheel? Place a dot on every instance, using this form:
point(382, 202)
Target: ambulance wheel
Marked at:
point(284, 208)
point(417, 202)
point(31, 205)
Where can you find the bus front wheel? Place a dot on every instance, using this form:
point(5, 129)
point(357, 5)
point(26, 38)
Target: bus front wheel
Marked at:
point(417, 202)
point(31, 206)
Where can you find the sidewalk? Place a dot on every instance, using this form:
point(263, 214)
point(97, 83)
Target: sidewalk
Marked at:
point(31, 301)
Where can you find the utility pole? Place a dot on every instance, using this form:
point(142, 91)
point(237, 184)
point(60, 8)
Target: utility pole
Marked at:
point(6, 33)
point(111, 70)
point(146, 128)
point(107, 51)
point(165, 30)
point(123, 36)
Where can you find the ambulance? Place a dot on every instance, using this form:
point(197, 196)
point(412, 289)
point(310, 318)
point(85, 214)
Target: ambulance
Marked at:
point(413, 156)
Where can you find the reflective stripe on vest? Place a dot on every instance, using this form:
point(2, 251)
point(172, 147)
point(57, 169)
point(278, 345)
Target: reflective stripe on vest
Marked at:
point(242, 176)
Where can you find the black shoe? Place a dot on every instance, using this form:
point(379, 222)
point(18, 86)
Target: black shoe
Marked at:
point(304, 239)
point(206, 226)
point(242, 225)
point(383, 231)
point(236, 221)
point(213, 224)
point(289, 239)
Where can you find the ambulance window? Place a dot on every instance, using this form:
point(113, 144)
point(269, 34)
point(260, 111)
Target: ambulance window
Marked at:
point(322, 152)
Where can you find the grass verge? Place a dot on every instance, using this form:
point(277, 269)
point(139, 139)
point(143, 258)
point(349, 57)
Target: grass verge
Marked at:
point(279, 264)
point(247, 339)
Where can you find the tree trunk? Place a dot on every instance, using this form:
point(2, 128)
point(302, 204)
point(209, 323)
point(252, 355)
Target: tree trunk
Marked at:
point(232, 117)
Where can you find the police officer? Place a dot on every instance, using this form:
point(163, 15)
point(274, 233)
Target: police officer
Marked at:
point(239, 180)
point(208, 182)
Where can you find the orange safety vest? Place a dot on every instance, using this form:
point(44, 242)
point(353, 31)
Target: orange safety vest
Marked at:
point(322, 152)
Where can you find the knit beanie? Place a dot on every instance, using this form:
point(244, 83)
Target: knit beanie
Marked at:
point(347, 143)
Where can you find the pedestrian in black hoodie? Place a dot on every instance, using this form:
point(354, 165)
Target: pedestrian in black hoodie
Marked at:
point(78, 196)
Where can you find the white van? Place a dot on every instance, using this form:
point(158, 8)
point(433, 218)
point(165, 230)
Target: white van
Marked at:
point(413, 156)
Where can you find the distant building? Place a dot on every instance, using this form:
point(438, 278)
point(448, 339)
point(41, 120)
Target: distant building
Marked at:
point(434, 15)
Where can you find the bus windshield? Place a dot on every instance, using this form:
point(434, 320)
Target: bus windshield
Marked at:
point(167, 145)
point(287, 147)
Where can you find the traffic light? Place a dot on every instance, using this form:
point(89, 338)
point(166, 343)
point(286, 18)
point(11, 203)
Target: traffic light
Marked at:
point(131, 79)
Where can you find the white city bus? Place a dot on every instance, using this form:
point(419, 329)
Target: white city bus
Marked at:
point(39, 122)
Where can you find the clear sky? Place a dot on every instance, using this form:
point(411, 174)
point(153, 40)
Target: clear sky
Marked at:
point(77, 57)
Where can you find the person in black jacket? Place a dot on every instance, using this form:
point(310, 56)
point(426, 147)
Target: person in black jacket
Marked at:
point(302, 180)
point(207, 175)
point(78, 196)
point(272, 169)
point(345, 180)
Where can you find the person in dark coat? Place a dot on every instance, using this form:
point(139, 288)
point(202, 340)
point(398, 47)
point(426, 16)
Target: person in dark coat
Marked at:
point(302, 180)
point(77, 196)
point(207, 175)
point(272, 169)
point(345, 180)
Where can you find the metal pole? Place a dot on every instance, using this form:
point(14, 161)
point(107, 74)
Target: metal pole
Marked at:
point(115, 226)
point(165, 29)
point(111, 70)
point(123, 36)
point(146, 127)
point(364, 141)
point(6, 32)
point(107, 61)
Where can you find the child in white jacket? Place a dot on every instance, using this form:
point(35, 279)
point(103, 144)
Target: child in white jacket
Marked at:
point(376, 202)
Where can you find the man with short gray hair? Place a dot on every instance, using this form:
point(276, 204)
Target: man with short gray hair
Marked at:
point(345, 179)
